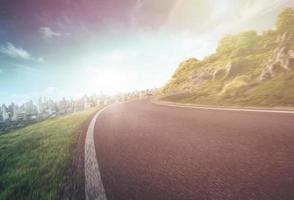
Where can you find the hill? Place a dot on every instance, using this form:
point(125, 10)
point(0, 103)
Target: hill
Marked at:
point(247, 69)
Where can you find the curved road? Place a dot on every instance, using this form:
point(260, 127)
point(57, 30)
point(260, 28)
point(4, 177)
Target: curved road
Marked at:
point(151, 152)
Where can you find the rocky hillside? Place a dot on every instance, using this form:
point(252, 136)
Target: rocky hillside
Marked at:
point(247, 69)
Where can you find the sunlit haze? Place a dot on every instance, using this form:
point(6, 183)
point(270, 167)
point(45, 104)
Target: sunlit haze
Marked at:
point(58, 48)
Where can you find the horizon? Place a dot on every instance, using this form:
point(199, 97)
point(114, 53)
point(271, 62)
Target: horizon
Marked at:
point(76, 98)
point(131, 45)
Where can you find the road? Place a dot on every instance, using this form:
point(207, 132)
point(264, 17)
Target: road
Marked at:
point(155, 152)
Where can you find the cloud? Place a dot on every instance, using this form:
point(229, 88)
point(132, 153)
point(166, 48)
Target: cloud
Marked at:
point(48, 33)
point(18, 52)
point(15, 52)
point(1, 71)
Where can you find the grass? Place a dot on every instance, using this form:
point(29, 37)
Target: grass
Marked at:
point(276, 92)
point(236, 83)
point(33, 159)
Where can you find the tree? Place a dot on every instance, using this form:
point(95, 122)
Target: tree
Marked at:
point(239, 44)
point(285, 21)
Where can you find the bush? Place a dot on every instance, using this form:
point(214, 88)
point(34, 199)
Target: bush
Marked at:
point(285, 21)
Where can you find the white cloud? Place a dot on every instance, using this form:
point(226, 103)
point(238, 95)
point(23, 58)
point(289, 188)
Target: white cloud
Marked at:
point(48, 33)
point(18, 52)
point(15, 52)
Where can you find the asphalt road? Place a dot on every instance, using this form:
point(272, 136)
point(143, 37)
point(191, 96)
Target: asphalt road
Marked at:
point(148, 151)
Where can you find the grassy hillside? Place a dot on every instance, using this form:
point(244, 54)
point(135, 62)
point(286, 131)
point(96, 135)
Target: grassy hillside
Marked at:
point(247, 69)
point(33, 159)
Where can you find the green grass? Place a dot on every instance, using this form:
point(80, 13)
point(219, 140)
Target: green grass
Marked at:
point(275, 92)
point(33, 159)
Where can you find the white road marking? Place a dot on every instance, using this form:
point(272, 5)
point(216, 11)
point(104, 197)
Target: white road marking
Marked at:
point(224, 109)
point(94, 188)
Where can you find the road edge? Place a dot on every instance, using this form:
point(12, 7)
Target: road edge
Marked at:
point(94, 188)
point(157, 101)
point(73, 183)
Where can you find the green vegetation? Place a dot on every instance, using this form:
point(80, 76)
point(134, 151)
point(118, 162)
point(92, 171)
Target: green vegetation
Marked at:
point(247, 69)
point(285, 20)
point(33, 159)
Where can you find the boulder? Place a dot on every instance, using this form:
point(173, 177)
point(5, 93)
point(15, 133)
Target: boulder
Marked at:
point(219, 73)
point(237, 68)
point(280, 60)
point(198, 77)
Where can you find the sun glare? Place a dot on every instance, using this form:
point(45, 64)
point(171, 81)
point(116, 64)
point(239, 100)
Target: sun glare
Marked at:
point(105, 80)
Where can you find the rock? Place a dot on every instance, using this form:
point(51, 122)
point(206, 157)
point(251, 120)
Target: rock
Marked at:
point(236, 68)
point(281, 58)
point(278, 39)
point(199, 76)
point(291, 53)
point(228, 67)
point(291, 59)
point(283, 37)
point(219, 73)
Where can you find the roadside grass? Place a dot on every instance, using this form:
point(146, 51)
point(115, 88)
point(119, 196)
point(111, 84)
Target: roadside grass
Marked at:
point(33, 159)
point(275, 92)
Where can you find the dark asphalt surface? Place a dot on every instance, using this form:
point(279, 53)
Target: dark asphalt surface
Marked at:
point(150, 152)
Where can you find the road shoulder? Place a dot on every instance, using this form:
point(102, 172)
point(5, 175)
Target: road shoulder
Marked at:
point(159, 101)
point(73, 181)
point(94, 188)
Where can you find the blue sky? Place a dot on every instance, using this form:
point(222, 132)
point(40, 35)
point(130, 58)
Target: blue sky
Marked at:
point(59, 48)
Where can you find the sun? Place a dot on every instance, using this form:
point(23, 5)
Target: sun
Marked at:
point(108, 81)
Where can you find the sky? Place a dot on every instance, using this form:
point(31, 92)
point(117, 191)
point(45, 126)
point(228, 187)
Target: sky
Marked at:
point(67, 48)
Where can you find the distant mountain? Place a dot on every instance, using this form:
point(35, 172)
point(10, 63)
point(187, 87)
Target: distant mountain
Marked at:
point(247, 69)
